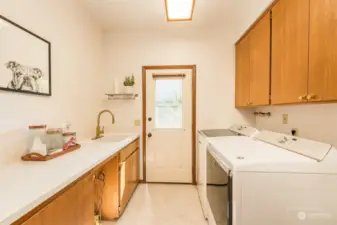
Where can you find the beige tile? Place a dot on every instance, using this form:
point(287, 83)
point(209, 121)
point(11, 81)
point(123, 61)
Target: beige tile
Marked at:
point(159, 204)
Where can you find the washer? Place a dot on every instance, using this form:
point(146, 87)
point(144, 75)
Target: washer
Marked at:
point(272, 178)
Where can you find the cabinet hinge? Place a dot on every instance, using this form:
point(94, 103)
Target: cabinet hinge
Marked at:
point(119, 209)
point(271, 15)
point(269, 97)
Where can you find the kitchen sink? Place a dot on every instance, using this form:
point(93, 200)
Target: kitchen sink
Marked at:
point(113, 138)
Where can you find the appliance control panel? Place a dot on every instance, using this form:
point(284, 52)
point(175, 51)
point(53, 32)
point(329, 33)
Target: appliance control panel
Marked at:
point(308, 148)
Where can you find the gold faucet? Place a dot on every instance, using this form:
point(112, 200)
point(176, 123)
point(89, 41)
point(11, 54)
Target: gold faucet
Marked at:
point(99, 130)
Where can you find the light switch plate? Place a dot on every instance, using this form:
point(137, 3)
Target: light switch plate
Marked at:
point(285, 118)
point(137, 123)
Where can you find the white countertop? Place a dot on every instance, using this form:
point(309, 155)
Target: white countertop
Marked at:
point(25, 185)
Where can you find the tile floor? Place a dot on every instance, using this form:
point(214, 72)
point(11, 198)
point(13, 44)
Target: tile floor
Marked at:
point(163, 204)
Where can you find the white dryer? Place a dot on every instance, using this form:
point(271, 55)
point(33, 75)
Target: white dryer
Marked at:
point(273, 179)
point(203, 135)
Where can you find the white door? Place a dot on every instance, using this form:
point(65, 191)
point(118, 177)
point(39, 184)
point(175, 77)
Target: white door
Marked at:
point(169, 126)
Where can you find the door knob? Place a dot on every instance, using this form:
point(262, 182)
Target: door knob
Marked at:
point(149, 135)
point(150, 119)
point(304, 97)
point(311, 97)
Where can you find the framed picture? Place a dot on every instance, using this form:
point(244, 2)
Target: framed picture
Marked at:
point(25, 60)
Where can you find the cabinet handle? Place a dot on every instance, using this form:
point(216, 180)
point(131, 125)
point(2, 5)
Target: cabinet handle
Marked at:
point(94, 177)
point(304, 97)
point(249, 103)
point(311, 97)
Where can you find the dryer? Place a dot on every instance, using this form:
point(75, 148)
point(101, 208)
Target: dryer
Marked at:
point(203, 136)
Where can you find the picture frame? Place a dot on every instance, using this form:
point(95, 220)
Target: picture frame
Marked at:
point(25, 60)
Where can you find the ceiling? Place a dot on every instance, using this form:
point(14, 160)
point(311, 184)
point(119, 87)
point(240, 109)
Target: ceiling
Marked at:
point(150, 14)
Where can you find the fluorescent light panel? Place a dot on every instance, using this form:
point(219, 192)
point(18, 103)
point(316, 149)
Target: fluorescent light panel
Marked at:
point(179, 9)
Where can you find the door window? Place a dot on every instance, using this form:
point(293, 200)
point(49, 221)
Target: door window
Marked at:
point(169, 110)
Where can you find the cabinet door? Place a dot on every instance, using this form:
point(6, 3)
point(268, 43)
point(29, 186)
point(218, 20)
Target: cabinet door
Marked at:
point(129, 178)
point(290, 41)
point(126, 177)
point(135, 173)
point(323, 51)
point(73, 207)
point(242, 73)
point(259, 43)
point(110, 202)
point(137, 166)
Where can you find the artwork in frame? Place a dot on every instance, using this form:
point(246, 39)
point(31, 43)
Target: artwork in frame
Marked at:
point(25, 60)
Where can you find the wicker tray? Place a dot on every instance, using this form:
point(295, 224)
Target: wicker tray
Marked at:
point(38, 157)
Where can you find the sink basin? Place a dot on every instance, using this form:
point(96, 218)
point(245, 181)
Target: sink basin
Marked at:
point(113, 138)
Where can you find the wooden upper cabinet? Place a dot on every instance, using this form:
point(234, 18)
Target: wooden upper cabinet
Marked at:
point(253, 66)
point(323, 51)
point(259, 79)
point(242, 73)
point(290, 41)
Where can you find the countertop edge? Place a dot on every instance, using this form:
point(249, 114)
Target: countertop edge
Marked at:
point(26, 209)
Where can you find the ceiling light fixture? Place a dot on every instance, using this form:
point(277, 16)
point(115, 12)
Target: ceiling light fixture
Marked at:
point(179, 10)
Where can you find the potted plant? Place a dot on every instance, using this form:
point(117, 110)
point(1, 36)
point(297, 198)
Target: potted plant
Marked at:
point(129, 82)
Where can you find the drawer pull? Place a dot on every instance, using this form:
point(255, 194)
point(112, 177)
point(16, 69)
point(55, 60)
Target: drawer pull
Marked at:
point(311, 97)
point(304, 97)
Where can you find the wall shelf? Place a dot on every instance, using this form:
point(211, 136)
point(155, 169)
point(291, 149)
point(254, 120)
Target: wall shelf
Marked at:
point(122, 96)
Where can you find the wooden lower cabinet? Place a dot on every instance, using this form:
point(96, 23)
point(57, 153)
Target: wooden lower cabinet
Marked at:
point(129, 179)
point(74, 207)
point(121, 180)
point(109, 187)
point(110, 200)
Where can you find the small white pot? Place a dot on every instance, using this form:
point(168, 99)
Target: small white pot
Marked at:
point(128, 89)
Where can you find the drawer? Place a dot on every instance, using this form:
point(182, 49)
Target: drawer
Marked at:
point(128, 150)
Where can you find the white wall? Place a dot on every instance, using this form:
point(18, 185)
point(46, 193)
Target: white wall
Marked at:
point(76, 73)
point(245, 12)
point(314, 121)
point(211, 51)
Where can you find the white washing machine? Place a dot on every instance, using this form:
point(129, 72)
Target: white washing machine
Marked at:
point(272, 179)
point(203, 135)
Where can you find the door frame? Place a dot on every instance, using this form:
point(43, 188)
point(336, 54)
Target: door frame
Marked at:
point(194, 101)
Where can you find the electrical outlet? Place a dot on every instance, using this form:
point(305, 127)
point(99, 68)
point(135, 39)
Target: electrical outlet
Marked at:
point(285, 118)
point(137, 123)
point(294, 132)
